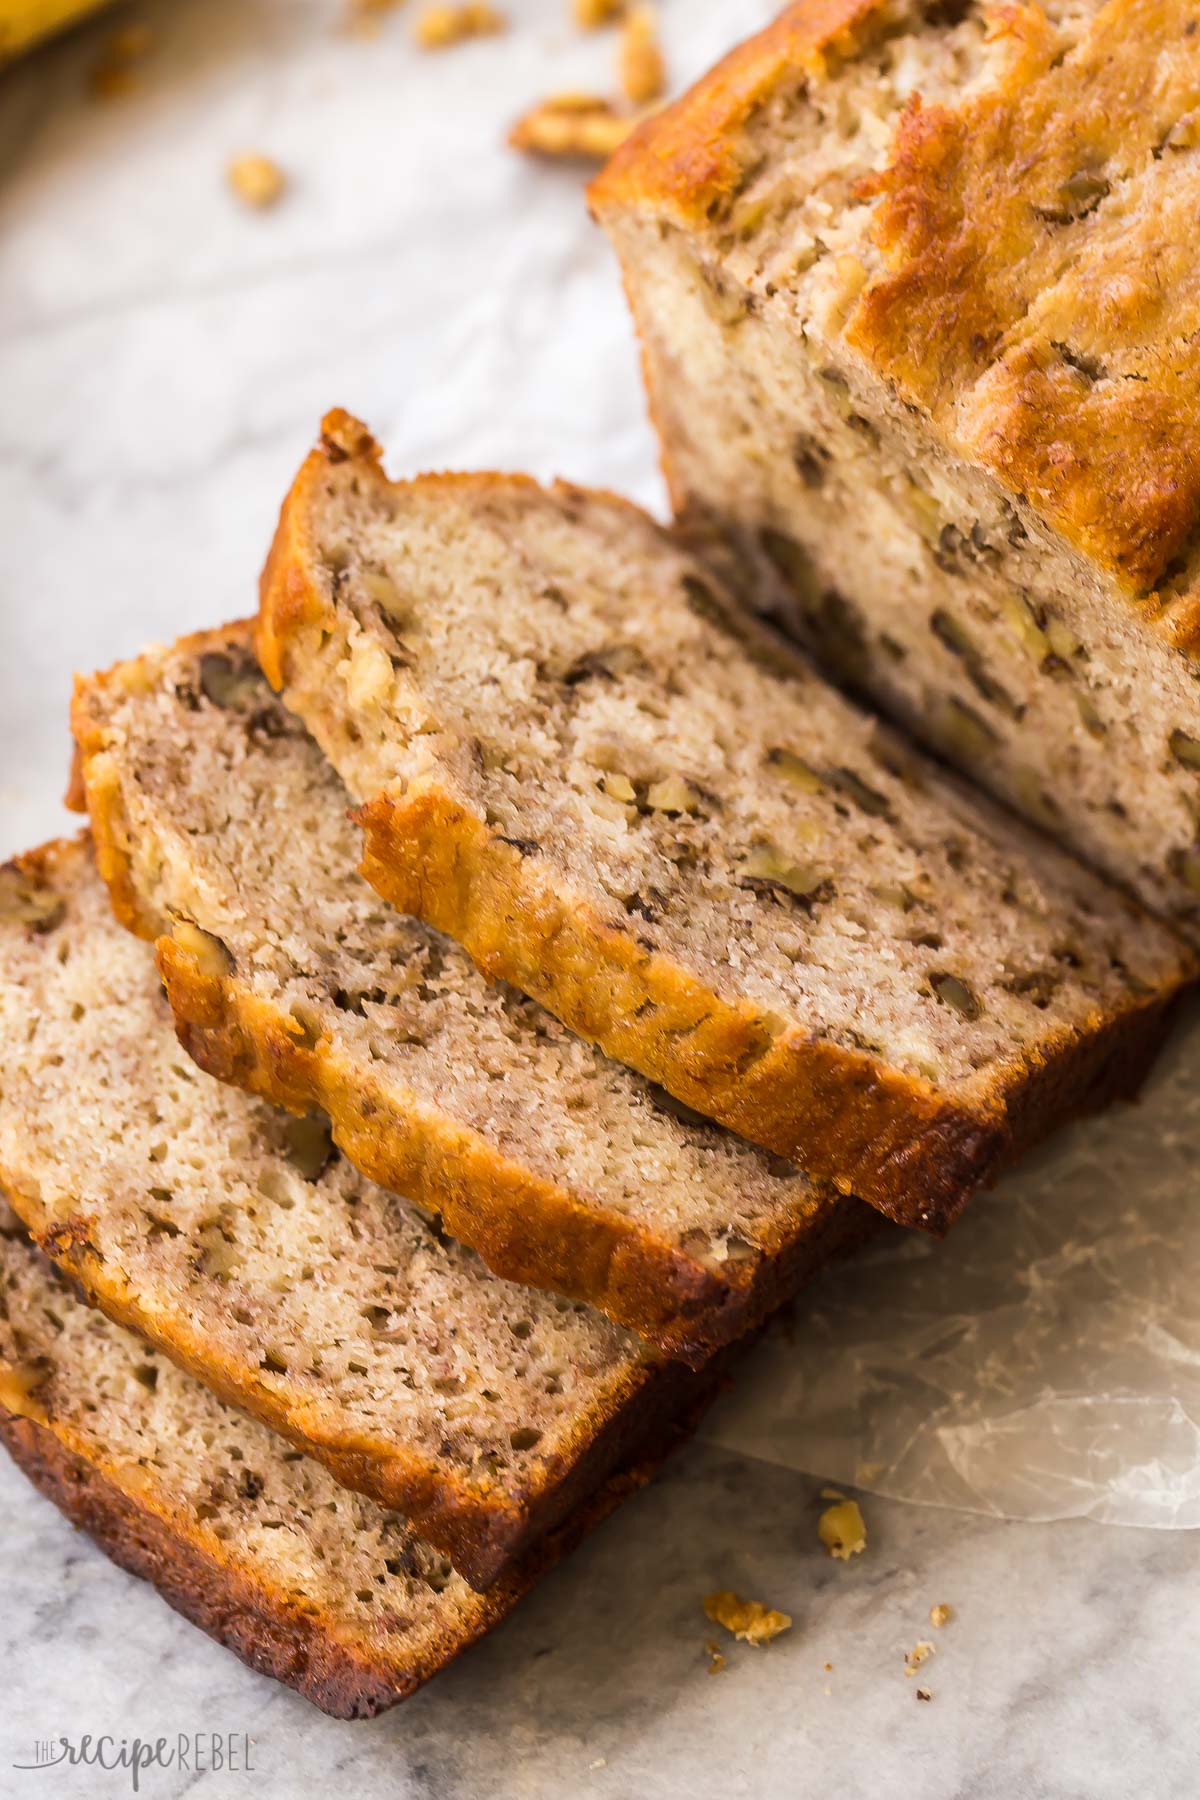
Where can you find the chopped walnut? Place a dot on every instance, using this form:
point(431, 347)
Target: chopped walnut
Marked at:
point(716, 1662)
point(582, 126)
point(920, 1653)
point(591, 14)
point(256, 179)
point(941, 1614)
point(439, 25)
point(748, 1620)
point(842, 1531)
point(640, 60)
point(924, 1694)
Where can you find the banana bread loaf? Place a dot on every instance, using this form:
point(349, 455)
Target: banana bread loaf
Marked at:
point(575, 757)
point(916, 297)
point(220, 825)
point(236, 1238)
point(248, 1539)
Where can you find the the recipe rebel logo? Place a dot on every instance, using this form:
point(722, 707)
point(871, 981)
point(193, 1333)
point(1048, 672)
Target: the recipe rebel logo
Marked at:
point(192, 1752)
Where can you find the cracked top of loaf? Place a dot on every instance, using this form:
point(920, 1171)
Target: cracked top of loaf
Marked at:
point(988, 206)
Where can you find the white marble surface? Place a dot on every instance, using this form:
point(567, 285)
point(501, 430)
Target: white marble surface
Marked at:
point(164, 358)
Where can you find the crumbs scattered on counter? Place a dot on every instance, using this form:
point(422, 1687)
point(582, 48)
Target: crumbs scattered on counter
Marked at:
point(920, 1653)
point(941, 1614)
point(716, 1661)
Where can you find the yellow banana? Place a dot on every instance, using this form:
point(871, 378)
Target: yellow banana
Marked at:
point(23, 22)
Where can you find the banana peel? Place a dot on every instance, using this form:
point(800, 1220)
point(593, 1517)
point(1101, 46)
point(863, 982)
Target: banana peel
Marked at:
point(24, 22)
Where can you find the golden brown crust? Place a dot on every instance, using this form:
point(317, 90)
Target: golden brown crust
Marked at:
point(895, 1140)
point(265, 1627)
point(1038, 322)
point(526, 1227)
point(991, 253)
point(684, 161)
point(890, 1138)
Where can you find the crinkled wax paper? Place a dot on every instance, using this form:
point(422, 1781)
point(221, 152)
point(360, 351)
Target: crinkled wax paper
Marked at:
point(1043, 1362)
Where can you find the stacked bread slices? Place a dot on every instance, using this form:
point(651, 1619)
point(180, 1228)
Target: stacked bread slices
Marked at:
point(403, 1204)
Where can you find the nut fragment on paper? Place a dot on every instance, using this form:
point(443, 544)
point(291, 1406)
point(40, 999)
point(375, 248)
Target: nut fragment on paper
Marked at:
point(439, 25)
point(257, 180)
point(641, 68)
point(842, 1530)
point(748, 1620)
point(581, 126)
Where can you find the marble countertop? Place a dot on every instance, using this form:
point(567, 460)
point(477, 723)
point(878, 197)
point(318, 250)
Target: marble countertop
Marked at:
point(164, 358)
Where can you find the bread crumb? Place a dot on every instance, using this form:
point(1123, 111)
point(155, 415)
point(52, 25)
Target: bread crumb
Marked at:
point(924, 1694)
point(640, 61)
point(439, 26)
point(941, 1614)
point(590, 15)
point(716, 1662)
point(748, 1620)
point(842, 1531)
point(256, 179)
point(571, 126)
point(919, 1654)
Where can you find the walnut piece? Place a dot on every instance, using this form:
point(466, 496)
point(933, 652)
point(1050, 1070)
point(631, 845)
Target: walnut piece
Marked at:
point(256, 179)
point(590, 15)
point(842, 1531)
point(439, 25)
point(748, 1620)
point(920, 1653)
point(941, 1614)
point(640, 64)
point(583, 127)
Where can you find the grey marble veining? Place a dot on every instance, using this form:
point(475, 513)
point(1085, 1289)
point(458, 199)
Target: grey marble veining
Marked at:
point(164, 359)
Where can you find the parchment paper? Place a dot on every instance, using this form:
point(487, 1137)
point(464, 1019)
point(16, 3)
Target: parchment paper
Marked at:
point(1041, 1363)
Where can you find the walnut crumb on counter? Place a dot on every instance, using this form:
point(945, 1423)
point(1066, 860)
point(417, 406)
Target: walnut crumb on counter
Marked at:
point(842, 1530)
point(439, 25)
point(924, 1694)
point(748, 1620)
point(640, 60)
point(716, 1661)
point(583, 126)
point(920, 1653)
point(257, 180)
point(941, 1614)
point(590, 15)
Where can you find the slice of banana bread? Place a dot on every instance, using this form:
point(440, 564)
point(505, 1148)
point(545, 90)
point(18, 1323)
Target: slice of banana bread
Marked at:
point(253, 1542)
point(238, 1240)
point(649, 815)
point(916, 297)
point(219, 824)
